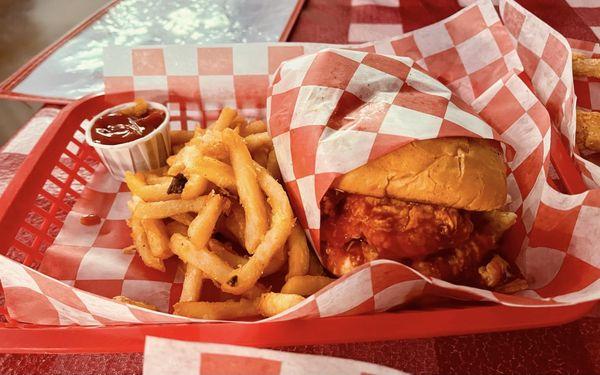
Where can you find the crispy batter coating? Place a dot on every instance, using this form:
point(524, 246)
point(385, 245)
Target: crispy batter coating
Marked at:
point(358, 229)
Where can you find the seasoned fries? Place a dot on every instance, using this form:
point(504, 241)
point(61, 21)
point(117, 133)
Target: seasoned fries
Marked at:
point(217, 172)
point(251, 197)
point(192, 284)
point(298, 253)
point(254, 127)
point(587, 136)
point(179, 137)
point(208, 262)
point(219, 209)
point(259, 141)
point(282, 220)
point(164, 209)
point(586, 67)
point(202, 226)
point(270, 304)
point(140, 240)
point(149, 193)
point(305, 285)
point(225, 119)
point(588, 130)
point(217, 310)
point(158, 238)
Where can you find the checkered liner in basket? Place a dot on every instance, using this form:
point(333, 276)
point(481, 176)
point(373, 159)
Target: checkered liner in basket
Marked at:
point(473, 53)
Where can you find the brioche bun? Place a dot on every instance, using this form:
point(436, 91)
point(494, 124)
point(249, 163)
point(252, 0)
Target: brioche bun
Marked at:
point(465, 173)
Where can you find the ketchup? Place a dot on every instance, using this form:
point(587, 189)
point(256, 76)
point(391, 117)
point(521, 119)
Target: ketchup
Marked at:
point(116, 128)
point(90, 219)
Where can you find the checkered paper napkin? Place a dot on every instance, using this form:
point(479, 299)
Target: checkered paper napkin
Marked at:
point(164, 356)
point(514, 73)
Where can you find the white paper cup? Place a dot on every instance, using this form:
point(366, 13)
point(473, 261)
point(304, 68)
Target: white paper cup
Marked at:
point(143, 154)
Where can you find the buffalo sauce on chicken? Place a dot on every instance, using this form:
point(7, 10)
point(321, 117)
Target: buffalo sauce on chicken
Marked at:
point(126, 125)
point(357, 229)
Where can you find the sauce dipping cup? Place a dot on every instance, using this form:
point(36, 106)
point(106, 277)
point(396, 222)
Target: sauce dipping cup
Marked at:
point(142, 154)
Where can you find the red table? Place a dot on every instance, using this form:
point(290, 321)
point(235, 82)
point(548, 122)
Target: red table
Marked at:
point(569, 349)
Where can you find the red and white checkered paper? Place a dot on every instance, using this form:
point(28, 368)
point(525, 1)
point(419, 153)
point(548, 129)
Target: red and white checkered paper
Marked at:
point(472, 57)
point(174, 357)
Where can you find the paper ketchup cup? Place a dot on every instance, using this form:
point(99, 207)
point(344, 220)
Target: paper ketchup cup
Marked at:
point(142, 154)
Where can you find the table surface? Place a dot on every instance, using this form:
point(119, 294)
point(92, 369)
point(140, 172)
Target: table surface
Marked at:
point(573, 348)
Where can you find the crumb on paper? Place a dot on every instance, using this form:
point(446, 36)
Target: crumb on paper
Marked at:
point(132, 302)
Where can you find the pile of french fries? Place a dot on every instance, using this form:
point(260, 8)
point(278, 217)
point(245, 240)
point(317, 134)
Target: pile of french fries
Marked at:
point(220, 209)
point(588, 122)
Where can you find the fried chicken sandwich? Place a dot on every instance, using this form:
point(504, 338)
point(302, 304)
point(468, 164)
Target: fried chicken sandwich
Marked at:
point(435, 205)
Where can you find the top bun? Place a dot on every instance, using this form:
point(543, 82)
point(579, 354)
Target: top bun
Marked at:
point(464, 173)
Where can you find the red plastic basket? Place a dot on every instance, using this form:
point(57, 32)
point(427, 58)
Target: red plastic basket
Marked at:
point(33, 208)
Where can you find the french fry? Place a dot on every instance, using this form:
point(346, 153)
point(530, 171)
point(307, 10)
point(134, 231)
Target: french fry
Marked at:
point(184, 159)
point(233, 225)
point(141, 245)
point(171, 160)
point(139, 108)
point(243, 278)
point(158, 238)
point(257, 126)
point(184, 218)
point(258, 141)
point(315, 268)
point(164, 209)
point(225, 119)
point(176, 165)
point(129, 250)
point(216, 172)
point(212, 145)
point(195, 186)
point(273, 166)
point(305, 285)
point(213, 267)
point(132, 302)
point(586, 67)
point(198, 131)
point(233, 259)
point(157, 176)
point(152, 179)
point(277, 262)
point(243, 308)
point(176, 227)
point(298, 253)
point(588, 130)
point(513, 286)
point(149, 193)
point(250, 195)
point(192, 284)
point(199, 231)
point(271, 304)
point(179, 137)
point(238, 122)
point(201, 228)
